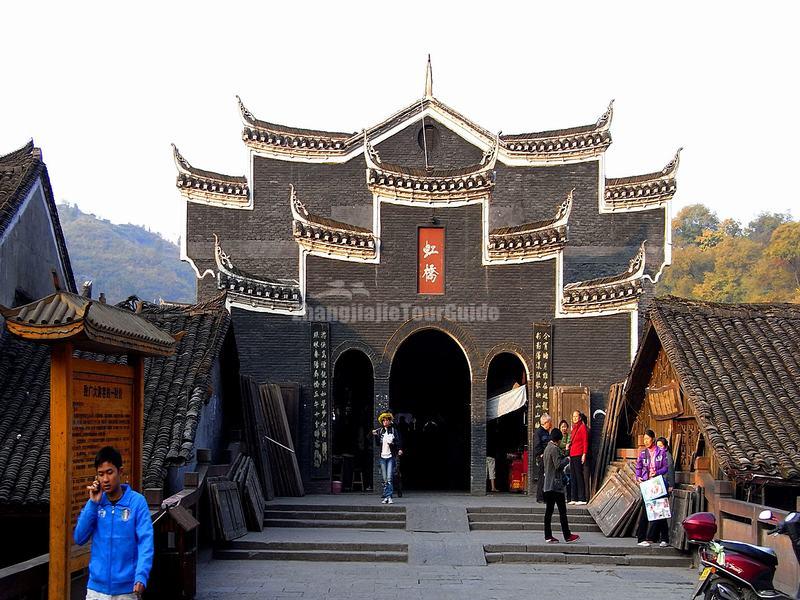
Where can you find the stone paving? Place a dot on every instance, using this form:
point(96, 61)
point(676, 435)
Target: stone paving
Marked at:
point(268, 580)
point(445, 561)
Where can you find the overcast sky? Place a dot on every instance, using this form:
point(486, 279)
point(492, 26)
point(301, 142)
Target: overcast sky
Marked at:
point(104, 90)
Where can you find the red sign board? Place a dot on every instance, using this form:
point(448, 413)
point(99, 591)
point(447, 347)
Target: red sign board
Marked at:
point(430, 260)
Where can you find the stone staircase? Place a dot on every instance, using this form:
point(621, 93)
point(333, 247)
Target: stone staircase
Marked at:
point(527, 518)
point(358, 517)
point(313, 551)
point(577, 553)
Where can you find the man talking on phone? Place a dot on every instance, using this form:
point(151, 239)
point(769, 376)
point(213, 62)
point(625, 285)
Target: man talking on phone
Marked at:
point(118, 522)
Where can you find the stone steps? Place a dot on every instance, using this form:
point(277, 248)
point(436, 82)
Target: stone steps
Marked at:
point(527, 518)
point(342, 523)
point(350, 517)
point(633, 556)
point(535, 509)
point(313, 551)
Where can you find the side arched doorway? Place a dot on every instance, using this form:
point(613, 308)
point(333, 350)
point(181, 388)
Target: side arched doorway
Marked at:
point(429, 393)
point(507, 434)
point(351, 420)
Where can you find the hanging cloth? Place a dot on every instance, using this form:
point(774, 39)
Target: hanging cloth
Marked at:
point(506, 402)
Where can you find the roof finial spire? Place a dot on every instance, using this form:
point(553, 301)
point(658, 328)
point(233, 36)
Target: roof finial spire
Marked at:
point(429, 79)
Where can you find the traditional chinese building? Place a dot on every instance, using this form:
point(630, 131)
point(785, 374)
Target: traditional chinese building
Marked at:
point(407, 265)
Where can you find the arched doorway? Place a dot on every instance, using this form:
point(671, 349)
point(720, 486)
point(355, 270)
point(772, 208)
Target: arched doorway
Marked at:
point(429, 392)
point(352, 417)
point(506, 435)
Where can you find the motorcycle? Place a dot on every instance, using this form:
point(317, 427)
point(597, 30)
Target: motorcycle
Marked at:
point(735, 570)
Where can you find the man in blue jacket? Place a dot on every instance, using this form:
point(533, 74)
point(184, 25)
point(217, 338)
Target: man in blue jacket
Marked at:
point(118, 522)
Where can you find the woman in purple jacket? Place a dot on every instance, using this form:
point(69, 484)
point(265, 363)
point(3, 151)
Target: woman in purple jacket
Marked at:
point(652, 462)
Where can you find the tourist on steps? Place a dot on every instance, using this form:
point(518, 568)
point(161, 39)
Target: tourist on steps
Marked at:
point(564, 446)
point(389, 440)
point(542, 437)
point(652, 462)
point(578, 449)
point(554, 463)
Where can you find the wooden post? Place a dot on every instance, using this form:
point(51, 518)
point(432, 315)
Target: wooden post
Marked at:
point(60, 471)
point(137, 421)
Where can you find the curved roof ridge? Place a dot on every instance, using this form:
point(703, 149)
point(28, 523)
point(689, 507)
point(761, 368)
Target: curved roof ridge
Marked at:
point(185, 167)
point(250, 119)
point(26, 151)
point(301, 213)
point(561, 218)
point(634, 271)
point(667, 172)
point(603, 123)
point(225, 265)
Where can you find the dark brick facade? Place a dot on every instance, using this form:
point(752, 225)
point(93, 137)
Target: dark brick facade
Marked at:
point(593, 351)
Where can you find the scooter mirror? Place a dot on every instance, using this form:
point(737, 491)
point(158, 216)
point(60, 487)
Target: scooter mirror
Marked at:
point(765, 515)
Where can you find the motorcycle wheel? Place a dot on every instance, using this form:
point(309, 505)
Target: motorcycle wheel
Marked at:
point(713, 594)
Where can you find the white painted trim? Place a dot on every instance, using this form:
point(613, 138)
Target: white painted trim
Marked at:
point(667, 244)
point(431, 111)
point(634, 333)
point(184, 256)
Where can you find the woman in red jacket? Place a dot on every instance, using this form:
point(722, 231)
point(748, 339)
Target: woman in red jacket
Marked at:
point(578, 448)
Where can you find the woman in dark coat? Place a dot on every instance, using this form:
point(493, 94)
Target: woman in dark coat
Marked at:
point(553, 466)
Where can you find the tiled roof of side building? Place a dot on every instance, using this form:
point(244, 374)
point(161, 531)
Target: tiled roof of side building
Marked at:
point(176, 389)
point(19, 172)
point(739, 364)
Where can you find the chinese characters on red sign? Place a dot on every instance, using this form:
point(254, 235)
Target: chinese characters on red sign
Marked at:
point(430, 260)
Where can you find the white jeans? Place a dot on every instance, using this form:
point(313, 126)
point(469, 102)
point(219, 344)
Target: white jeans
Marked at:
point(93, 595)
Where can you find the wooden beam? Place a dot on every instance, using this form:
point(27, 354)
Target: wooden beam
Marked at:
point(60, 471)
point(137, 422)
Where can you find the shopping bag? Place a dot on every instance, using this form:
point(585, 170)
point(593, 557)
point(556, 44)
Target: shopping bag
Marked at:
point(658, 508)
point(653, 488)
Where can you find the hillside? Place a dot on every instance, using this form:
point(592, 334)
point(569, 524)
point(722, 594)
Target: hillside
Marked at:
point(124, 260)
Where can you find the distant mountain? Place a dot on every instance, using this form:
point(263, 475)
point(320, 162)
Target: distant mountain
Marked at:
point(124, 260)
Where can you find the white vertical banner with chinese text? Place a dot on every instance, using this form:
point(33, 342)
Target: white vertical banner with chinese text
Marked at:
point(430, 260)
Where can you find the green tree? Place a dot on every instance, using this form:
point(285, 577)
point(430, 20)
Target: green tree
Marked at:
point(760, 229)
point(733, 258)
point(690, 223)
point(784, 245)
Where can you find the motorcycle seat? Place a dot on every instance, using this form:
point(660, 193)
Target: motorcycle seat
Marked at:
point(760, 553)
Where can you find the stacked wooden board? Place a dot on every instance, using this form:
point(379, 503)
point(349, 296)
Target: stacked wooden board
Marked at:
point(226, 509)
point(615, 506)
point(608, 438)
point(243, 473)
point(285, 470)
point(255, 430)
point(685, 500)
point(269, 439)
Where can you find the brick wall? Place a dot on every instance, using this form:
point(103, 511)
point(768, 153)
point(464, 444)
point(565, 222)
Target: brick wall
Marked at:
point(593, 351)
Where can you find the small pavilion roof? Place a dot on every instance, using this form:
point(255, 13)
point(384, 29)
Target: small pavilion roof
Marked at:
point(90, 324)
point(739, 367)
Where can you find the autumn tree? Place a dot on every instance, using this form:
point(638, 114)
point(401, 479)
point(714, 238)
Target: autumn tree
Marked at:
point(690, 223)
point(784, 245)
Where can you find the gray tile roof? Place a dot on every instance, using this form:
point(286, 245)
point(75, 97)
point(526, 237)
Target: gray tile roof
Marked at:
point(19, 172)
point(176, 389)
point(739, 365)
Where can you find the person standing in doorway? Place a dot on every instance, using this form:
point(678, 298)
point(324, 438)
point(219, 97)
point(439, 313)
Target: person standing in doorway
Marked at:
point(540, 445)
point(554, 463)
point(578, 449)
point(389, 440)
point(118, 522)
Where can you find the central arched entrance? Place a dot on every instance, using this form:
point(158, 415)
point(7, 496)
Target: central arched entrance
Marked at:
point(429, 393)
